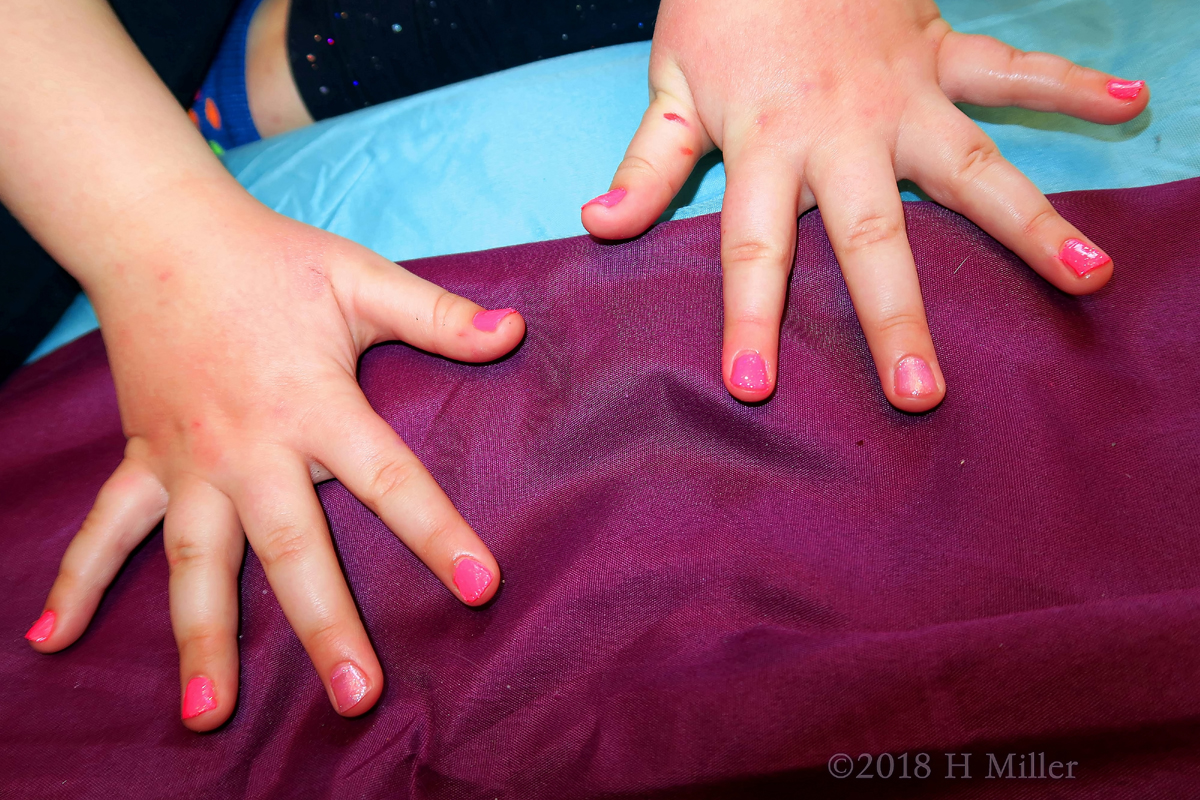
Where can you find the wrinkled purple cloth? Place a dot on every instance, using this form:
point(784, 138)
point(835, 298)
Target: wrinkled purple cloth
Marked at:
point(702, 598)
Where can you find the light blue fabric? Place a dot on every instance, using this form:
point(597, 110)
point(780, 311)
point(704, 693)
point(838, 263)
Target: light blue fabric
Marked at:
point(511, 157)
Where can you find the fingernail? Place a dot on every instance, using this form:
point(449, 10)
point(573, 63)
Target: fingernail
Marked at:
point(349, 685)
point(608, 199)
point(1082, 257)
point(1125, 90)
point(914, 378)
point(199, 696)
point(472, 579)
point(42, 629)
point(749, 371)
point(489, 320)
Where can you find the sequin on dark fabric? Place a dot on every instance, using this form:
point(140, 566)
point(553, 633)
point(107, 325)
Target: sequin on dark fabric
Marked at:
point(365, 52)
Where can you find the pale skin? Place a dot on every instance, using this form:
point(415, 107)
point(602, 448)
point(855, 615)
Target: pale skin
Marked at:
point(829, 102)
point(234, 332)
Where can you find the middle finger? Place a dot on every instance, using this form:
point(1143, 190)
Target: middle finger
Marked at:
point(286, 528)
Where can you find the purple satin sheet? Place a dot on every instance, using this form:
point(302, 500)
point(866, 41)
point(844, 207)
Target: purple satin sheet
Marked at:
point(701, 598)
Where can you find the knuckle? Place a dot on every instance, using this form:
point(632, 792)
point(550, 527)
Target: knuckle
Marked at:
point(872, 228)
point(436, 536)
point(979, 156)
point(1032, 226)
point(390, 480)
point(324, 637)
point(283, 544)
point(903, 324)
point(754, 253)
point(185, 552)
point(205, 642)
point(1073, 74)
point(633, 163)
point(444, 308)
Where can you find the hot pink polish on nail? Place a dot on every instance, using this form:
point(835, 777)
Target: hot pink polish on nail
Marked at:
point(749, 371)
point(1125, 90)
point(489, 320)
point(199, 696)
point(1082, 257)
point(914, 378)
point(42, 629)
point(608, 199)
point(349, 685)
point(471, 578)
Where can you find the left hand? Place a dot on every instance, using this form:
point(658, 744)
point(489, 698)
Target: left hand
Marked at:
point(829, 102)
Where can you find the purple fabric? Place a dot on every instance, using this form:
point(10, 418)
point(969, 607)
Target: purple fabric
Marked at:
point(702, 598)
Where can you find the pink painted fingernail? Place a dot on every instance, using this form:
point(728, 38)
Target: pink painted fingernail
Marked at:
point(471, 578)
point(199, 696)
point(1082, 257)
point(1125, 90)
point(42, 629)
point(349, 685)
point(914, 378)
point(749, 371)
point(489, 320)
point(608, 199)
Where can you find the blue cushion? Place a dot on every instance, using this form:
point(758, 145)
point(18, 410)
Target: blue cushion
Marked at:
point(510, 158)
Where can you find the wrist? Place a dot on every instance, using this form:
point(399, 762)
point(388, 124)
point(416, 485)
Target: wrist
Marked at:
point(173, 229)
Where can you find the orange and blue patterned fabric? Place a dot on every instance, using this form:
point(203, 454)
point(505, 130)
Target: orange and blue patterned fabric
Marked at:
point(220, 109)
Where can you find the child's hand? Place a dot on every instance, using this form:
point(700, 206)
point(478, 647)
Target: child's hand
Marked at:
point(235, 360)
point(828, 102)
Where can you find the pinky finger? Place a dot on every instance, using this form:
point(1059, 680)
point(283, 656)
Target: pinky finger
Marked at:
point(987, 72)
point(130, 504)
point(962, 169)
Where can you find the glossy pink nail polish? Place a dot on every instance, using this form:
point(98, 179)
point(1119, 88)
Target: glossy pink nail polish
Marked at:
point(471, 578)
point(349, 685)
point(199, 696)
point(608, 199)
point(1125, 90)
point(914, 378)
point(1082, 257)
point(749, 371)
point(41, 630)
point(489, 320)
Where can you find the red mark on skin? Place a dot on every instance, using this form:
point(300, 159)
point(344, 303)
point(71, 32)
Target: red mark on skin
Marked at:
point(676, 118)
point(165, 275)
point(687, 151)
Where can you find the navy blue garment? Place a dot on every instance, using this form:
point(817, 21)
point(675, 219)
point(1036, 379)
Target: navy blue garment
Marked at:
point(221, 110)
point(349, 54)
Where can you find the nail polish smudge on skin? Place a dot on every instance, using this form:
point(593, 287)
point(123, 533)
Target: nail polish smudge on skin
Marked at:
point(1125, 90)
point(749, 371)
point(488, 321)
point(41, 630)
point(608, 199)
point(676, 118)
point(1082, 257)
point(349, 685)
point(471, 578)
point(199, 696)
point(914, 378)
point(686, 151)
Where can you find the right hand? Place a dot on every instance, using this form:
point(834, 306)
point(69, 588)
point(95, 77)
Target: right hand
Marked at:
point(234, 351)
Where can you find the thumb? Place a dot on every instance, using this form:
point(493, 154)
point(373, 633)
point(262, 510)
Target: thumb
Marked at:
point(390, 303)
point(661, 156)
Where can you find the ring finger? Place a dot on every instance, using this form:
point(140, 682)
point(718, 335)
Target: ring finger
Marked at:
point(204, 547)
point(286, 528)
point(855, 187)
